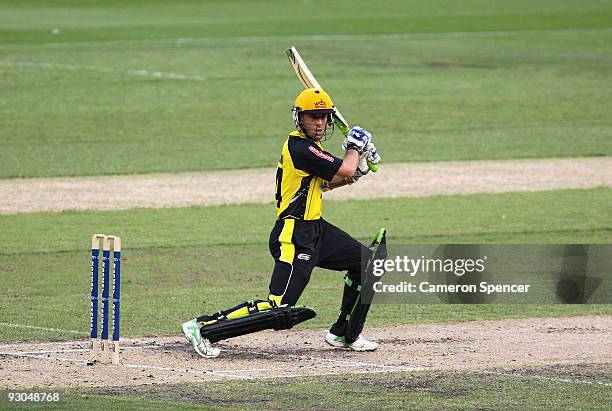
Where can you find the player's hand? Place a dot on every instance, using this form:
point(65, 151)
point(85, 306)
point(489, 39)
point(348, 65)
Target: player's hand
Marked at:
point(371, 154)
point(357, 139)
point(362, 169)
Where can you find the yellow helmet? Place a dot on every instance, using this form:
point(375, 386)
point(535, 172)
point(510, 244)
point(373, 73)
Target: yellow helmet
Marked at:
point(313, 101)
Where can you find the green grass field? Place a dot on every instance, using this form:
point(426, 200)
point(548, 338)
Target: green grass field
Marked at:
point(99, 88)
point(193, 261)
point(479, 80)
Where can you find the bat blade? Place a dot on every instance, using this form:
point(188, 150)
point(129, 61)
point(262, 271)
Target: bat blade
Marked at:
point(301, 69)
point(308, 80)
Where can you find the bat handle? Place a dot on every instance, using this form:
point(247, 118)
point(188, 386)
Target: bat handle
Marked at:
point(373, 167)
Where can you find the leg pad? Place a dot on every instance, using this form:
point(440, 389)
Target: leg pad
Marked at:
point(278, 318)
point(360, 310)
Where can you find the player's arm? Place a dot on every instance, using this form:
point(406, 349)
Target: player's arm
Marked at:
point(308, 156)
point(348, 167)
point(330, 186)
point(343, 176)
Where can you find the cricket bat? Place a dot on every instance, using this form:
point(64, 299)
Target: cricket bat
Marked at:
point(309, 81)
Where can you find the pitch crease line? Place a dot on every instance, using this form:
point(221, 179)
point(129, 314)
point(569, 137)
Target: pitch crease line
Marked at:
point(59, 351)
point(214, 373)
point(41, 328)
point(43, 357)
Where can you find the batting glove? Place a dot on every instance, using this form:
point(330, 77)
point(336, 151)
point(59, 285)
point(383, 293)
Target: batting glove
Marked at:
point(362, 169)
point(357, 139)
point(372, 155)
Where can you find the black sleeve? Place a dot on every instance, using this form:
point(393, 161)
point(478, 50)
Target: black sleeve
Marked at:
point(307, 156)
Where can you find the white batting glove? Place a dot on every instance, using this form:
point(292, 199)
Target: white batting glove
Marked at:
point(357, 139)
point(362, 169)
point(372, 155)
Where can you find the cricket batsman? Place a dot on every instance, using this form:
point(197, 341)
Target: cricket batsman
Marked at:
point(301, 239)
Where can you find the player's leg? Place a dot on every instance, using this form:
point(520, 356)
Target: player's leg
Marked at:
point(240, 310)
point(293, 245)
point(197, 331)
point(245, 318)
point(291, 273)
point(340, 251)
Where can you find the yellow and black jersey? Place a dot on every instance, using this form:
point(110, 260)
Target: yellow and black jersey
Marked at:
point(302, 168)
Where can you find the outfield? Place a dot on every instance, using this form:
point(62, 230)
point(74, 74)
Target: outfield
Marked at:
point(97, 90)
point(480, 80)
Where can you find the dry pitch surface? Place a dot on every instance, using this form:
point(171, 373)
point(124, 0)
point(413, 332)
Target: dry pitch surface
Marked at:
point(500, 347)
point(257, 185)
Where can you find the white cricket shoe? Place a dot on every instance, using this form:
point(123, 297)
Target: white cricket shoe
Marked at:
point(202, 346)
point(361, 344)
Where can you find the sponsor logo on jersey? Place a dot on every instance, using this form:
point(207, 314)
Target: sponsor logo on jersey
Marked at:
point(320, 154)
point(303, 256)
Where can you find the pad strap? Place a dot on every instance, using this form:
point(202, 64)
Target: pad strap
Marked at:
point(281, 318)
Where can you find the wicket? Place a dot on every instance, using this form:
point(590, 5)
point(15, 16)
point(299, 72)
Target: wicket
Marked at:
point(95, 343)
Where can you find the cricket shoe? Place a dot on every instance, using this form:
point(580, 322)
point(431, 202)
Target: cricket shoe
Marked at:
point(202, 346)
point(360, 344)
